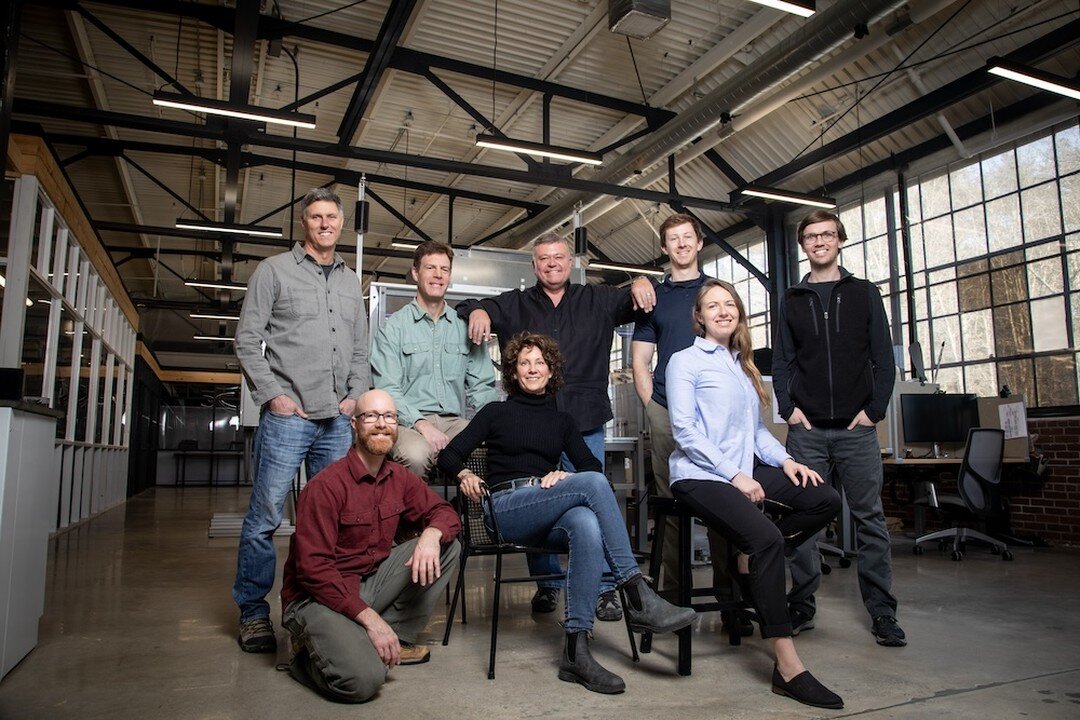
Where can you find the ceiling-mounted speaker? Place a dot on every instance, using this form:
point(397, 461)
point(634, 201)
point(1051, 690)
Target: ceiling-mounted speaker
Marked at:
point(638, 18)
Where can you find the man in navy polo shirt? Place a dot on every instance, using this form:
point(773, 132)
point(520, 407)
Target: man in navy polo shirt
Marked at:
point(662, 333)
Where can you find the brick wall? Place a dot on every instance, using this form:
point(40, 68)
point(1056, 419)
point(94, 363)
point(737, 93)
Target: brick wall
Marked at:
point(1052, 510)
point(1047, 507)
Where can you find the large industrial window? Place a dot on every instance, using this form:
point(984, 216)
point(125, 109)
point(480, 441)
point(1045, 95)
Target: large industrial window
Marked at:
point(996, 266)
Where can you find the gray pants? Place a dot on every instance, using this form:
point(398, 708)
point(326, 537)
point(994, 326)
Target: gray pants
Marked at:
point(663, 444)
point(853, 458)
point(338, 659)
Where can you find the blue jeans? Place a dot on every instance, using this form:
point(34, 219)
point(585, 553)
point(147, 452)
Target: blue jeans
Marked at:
point(281, 444)
point(549, 564)
point(578, 514)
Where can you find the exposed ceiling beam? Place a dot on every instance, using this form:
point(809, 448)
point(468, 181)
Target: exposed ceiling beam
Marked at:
point(108, 226)
point(104, 146)
point(245, 28)
point(131, 49)
point(404, 59)
point(1034, 52)
point(397, 16)
point(987, 123)
point(544, 177)
point(149, 252)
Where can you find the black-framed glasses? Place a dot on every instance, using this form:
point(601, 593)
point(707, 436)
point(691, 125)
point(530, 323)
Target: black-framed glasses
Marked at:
point(371, 417)
point(829, 235)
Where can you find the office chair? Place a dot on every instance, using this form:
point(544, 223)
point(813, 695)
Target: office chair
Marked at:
point(979, 501)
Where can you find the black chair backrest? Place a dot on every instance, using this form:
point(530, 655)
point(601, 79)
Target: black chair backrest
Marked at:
point(473, 525)
point(980, 472)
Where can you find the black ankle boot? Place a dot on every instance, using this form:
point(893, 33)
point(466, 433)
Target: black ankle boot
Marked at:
point(577, 665)
point(647, 611)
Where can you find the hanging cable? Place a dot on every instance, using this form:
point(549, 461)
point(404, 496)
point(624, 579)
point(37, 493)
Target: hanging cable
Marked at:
point(942, 55)
point(179, 34)
point(494, 65)
point(885, 77)
point(644, 100)
point(296, 101)
point(331, 11)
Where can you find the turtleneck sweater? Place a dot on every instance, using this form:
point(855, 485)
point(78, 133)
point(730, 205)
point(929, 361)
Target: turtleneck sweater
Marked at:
point(525, 435)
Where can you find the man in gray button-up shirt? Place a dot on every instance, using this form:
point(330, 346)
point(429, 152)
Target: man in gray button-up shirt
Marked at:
point(306, 307)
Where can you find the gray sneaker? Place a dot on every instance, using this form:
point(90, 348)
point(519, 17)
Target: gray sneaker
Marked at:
point(257, 636)
point(608, 608)
point(800, 621)
point(887, 632)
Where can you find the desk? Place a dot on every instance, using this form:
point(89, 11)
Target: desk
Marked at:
point(181, 458)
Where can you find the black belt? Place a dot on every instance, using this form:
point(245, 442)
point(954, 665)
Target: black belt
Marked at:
point(513, 484)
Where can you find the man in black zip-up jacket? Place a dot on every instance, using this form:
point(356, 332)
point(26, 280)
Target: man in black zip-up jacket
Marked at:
point(833, 372)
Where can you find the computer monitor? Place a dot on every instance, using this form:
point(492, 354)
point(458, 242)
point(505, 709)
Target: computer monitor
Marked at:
point(938, 417)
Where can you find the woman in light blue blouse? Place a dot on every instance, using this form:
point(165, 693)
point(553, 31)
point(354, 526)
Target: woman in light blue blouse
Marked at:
point(727, 463)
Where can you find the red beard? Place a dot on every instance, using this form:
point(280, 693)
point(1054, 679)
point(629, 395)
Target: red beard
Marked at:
point(377, 442)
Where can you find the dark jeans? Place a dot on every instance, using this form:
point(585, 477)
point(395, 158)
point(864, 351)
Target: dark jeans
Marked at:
point(726, 510)
point(853, 457)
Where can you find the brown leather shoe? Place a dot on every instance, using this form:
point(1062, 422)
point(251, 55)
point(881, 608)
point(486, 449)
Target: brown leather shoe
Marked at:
point(412, 654)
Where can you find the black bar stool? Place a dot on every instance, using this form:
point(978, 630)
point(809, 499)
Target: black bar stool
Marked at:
point(663, 508)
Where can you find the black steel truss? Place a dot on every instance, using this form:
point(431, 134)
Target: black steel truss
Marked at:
point(933, 102)
point(110, 147)
point(544, 176)
point(404, 59)
point(397, 15)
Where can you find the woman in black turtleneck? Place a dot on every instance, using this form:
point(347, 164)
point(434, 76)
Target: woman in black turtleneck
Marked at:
point(539, 505)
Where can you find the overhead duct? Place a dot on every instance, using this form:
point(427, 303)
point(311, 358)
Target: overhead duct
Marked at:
point(638, 18)
point(819, 36)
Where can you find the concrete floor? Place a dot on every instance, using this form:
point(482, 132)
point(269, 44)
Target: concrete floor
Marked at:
point(139, 623)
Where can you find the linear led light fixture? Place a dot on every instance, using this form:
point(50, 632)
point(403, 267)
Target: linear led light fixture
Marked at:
point(787, 196)
point(230, 109)
point(208, 316)
point(593, 265)
point(215, 285)
point(1034, 77)
point(233, 228)
point(802, 8)
point(539, 149)
point(212, 337)
point(405, 244)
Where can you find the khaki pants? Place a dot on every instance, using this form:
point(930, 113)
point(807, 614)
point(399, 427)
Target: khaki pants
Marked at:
point(338, 659)
point(663, 444)
point(413, 450)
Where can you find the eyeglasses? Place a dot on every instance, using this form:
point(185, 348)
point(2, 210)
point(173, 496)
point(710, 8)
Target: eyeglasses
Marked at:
point(371, 417)
point(829, 235)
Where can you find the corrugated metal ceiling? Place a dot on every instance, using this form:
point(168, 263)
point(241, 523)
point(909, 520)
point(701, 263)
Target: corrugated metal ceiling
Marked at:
point(561, 41)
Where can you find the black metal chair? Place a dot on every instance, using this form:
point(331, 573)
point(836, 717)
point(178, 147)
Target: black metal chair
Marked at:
point(478, 539)
point(662, 507)
point(979, 501)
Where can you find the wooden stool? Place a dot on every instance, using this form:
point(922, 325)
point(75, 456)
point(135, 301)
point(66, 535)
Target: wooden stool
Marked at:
point(662, 508)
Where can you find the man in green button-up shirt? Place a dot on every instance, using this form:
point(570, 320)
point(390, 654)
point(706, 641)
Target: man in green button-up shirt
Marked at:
point(422, 357)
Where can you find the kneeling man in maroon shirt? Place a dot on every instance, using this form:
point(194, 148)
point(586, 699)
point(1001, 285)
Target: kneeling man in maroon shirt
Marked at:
point(353, 603)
